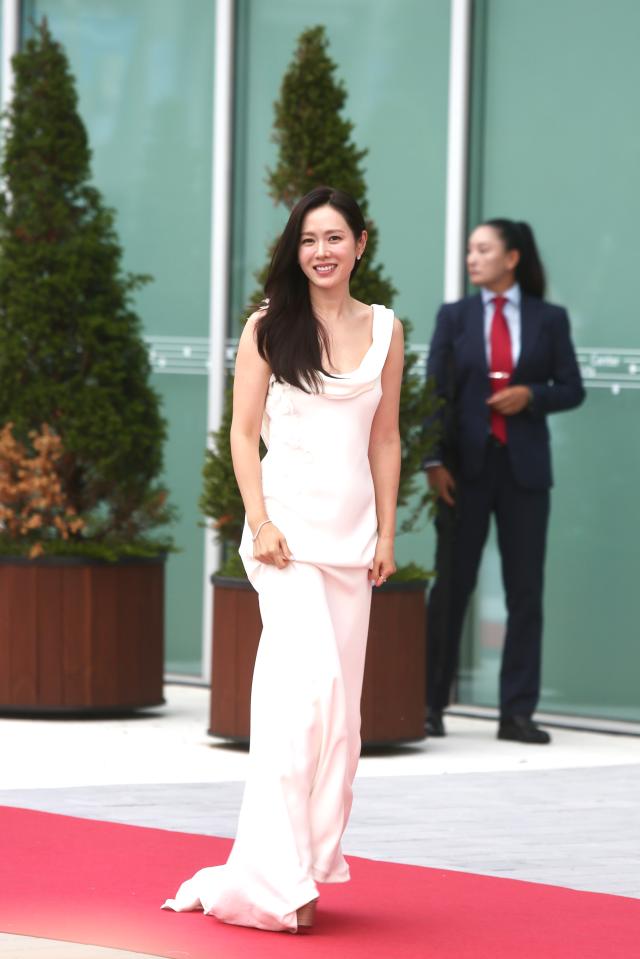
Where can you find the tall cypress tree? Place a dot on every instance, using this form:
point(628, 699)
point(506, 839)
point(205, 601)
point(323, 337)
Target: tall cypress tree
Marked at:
point(315, 147)
point(71, 351)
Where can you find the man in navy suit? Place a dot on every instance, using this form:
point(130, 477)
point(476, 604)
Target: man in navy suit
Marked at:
point(504, 360)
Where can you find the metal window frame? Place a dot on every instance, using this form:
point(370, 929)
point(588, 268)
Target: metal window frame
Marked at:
point(457, 148)
point(11, 15)
point(220, 268)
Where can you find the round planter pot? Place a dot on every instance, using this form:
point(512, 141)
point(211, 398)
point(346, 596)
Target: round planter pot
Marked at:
point(393, 693)
point(81, 636)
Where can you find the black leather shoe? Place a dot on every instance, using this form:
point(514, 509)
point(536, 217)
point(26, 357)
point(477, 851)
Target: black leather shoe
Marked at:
point(433, 724)
point(522, 729)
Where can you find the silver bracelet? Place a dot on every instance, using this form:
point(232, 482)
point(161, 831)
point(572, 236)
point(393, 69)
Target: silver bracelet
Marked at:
point(263, 523)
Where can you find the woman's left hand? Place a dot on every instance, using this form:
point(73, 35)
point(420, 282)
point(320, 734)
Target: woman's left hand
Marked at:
point(383, 562)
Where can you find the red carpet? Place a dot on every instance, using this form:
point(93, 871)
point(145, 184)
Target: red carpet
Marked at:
point(103, 883)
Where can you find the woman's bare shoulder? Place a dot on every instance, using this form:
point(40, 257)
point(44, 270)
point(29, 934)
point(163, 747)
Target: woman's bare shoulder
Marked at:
point(249, 329)
point(398, 330)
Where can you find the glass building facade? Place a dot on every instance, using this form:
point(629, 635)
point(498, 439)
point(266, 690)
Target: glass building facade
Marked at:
point(553, 138)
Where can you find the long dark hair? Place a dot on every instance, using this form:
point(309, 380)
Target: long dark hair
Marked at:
point(289, 336)
point(529, 271)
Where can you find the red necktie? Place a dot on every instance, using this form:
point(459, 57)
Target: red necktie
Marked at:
point(501, 363)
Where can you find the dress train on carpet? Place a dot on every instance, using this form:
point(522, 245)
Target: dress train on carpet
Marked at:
point(305, 744)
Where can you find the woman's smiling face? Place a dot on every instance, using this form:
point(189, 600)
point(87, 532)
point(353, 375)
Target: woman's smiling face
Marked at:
point(328, 249)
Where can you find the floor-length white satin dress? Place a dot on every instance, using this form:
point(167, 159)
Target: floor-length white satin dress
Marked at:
point(305, 703)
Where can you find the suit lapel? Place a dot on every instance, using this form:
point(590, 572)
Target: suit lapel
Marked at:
point(530, 322)
point(475, 330)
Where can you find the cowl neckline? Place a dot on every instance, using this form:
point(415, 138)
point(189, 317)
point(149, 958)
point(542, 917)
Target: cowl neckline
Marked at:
point(366, 374)
point(346, 385)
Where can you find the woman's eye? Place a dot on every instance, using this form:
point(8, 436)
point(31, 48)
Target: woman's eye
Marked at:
point(335, 237)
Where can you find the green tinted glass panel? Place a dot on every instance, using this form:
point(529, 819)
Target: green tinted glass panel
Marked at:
point(144, 74)
point(557, 142)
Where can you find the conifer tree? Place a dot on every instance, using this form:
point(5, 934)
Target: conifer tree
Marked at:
point(315, 147)
point(71, 351)
point(221, 498)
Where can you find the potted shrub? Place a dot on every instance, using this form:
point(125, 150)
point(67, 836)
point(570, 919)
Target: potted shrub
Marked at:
point(307, 118)
point(81, 432)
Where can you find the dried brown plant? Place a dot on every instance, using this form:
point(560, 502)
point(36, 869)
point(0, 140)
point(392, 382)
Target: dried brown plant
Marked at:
point(33, 502)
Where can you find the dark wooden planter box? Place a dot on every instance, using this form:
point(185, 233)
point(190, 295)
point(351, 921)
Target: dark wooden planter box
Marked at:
point(393, 694)
point(80, 636)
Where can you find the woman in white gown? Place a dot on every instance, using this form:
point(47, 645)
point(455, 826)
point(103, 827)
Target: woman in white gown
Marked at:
point(318, 374)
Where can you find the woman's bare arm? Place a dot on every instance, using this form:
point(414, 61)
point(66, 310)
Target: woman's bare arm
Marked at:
point(384, 456)
point(249, 396)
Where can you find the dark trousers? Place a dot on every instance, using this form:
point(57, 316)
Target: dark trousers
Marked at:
point(521, 519)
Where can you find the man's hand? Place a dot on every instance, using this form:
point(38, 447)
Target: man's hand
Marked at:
point(441, 480)
point(511, 400)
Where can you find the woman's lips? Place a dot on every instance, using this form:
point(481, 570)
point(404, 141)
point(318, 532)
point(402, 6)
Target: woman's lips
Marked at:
point(325, 268)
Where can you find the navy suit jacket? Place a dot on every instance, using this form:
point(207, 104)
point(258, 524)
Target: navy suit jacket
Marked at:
point(547, 365)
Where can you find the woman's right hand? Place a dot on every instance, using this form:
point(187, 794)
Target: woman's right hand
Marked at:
point(441, 480)
point(271, 547)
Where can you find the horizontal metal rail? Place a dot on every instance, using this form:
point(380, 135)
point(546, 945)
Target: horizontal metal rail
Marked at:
point(614, 368)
